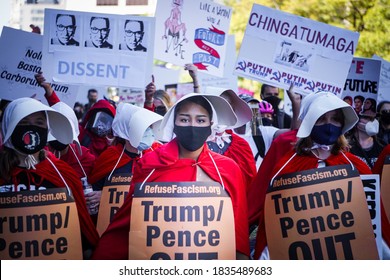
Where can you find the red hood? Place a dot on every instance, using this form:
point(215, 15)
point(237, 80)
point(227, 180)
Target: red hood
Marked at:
point(101, 105)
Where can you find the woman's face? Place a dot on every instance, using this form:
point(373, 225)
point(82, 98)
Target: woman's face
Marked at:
point(367, 104)
point(334, 117)
point(38, 119)
point(192, 114)
point(158, 102)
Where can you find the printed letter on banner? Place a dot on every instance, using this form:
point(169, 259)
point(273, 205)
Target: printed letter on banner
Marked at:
point(39, 225)
point(319, 214)
point(114, 193)
point(181, 221)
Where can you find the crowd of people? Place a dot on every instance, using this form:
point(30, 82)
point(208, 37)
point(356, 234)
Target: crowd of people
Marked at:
point(236, 142)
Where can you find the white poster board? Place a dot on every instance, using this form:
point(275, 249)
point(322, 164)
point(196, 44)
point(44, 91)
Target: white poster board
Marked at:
point(282, 49)
point(384, 84)
point(165, 76)
point(371, 184)
point(192, 32)
point(20, 60)
point(228, 81)
point(98, 49)
point(362, 85)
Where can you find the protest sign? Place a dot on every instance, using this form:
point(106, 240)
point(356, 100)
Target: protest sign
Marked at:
point(98, 49)
point(281, 49)
point(21, 58)
point(181, 221)
point(384, 84)
point(318, 214)
point(228, 81)
point(165, 76)
point(40, 225)
point(362, 84)
point(114, 192)
point(371, 184)
point(192, 32)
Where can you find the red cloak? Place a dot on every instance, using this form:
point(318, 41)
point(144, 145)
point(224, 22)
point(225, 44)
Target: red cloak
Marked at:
point(45, 171)
point(87, 160)
point(97, 144)
point(107, 160)
point(300, 163)
point(114, 243)
point(258, 189)
point(240, 151)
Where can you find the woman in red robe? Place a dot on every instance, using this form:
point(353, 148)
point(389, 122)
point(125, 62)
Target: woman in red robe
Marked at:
point(325, 118)
point(185, 158)
point(25, 165)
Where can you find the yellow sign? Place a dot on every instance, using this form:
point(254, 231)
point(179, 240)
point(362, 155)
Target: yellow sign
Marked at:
point(112, 199)
point(181, 221)
point(319, 214)
point(39, 225)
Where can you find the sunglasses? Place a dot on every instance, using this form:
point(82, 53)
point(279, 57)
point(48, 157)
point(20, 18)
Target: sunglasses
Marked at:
point(385, 112)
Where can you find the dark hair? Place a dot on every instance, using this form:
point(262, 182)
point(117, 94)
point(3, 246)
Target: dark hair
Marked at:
point(199, 100)
point(380, 105)
point(141, 23)
point(106, 19)
point(66, 15)
point(373, 104)
point(361, 98)
point(348, 98)
point(91, 90)
point(9, 160)
point(263, 87)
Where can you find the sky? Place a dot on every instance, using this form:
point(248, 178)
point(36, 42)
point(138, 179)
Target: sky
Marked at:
point(5, 11)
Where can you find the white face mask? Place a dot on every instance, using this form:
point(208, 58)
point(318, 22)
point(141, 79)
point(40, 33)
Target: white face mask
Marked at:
point(372, 128)
point(147, 140)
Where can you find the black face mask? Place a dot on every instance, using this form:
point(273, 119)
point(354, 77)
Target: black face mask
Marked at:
point(385, 118)
point(266, 122)
point(161, 110)
point(57, 145)
point(29, 139)
point(192, 137)
point(274, 100)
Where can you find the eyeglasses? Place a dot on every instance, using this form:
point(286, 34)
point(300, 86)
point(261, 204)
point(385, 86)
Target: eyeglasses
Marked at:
point(385, 112)
point(103, 31)
point(130, 33)
point(69, 28)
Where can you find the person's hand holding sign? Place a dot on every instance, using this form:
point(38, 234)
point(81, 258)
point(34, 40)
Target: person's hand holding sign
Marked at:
point(149, 91)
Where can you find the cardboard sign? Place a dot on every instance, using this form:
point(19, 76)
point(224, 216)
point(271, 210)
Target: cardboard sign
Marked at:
point(371, 185)
point(363, 81)
point(193, 32)
point(40, 225)
point(98, 49)
point(114, 193)
point(20, 59)
point(385, 186)
point(317, 214)
point(181, 221)
point(311, 55)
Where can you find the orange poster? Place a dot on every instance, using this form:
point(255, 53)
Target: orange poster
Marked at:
point(40, 225)
point(385, 186)
point(114, 193)
point(181, 221)
point(319, 214)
